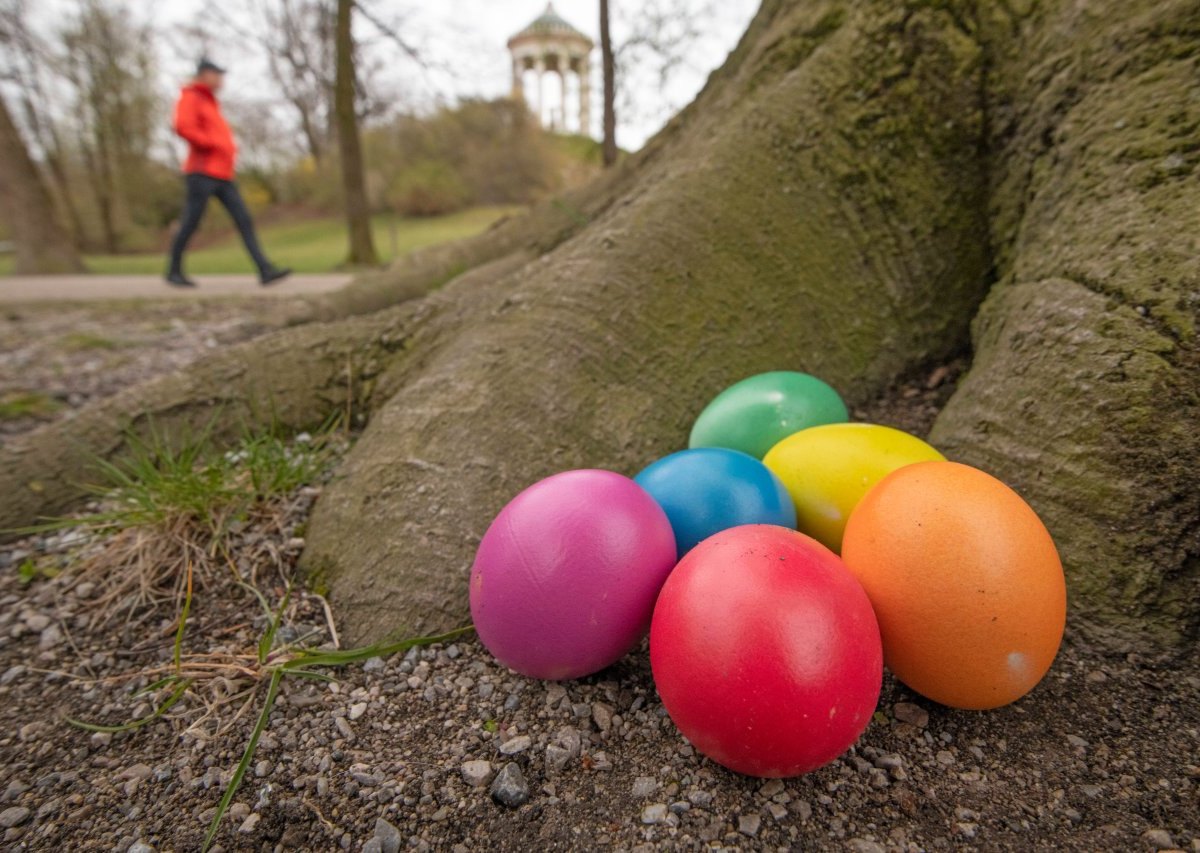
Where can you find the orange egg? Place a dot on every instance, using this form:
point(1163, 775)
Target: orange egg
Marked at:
point(965, 581)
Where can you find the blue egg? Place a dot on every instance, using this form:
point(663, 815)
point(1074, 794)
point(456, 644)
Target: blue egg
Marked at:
point(709, 489)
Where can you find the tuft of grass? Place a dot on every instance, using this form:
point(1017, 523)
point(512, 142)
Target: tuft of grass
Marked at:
point(166, 479)
point(27, 404)
point(171, 506)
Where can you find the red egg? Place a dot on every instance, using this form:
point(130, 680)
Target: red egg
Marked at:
point(766, 652)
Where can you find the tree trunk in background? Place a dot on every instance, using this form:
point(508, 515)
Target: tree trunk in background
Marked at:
point(354, 192)
point(847, 191)
point(42, 246)
point(610, 88)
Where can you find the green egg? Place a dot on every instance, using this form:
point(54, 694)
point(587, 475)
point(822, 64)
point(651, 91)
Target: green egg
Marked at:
point(757, 413)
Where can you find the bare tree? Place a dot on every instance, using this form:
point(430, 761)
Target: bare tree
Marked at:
point(301, 53)
point(41, 244)
point(354, 191)
point(608, 66)
point(27, 60)
point(110, 67)
point(658, 36)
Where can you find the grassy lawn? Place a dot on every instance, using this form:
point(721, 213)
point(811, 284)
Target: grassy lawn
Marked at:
point(311, 245)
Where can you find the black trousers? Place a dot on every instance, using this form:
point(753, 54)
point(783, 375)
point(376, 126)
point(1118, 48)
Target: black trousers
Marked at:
point(199, 189)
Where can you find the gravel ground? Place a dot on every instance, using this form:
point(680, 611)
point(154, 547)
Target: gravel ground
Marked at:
point(56, 357)
point(443, 749)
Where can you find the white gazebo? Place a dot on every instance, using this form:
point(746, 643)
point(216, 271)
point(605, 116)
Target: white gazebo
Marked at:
point(551, 45)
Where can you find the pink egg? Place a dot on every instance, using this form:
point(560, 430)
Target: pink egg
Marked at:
point(565, 579)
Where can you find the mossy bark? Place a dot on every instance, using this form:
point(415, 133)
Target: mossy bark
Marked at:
point(1085, 388)
point(839, 199)
point(821, 207)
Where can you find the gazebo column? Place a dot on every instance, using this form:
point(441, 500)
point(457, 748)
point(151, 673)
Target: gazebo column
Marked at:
point(539, 66)
point(585, 97)
point(560, 121)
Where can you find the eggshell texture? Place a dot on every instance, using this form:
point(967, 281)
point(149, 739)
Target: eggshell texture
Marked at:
point(709, 489)
point(754, 414)
point(965, 580)
point(828, 469)
point(565, 578)
point(765, 651)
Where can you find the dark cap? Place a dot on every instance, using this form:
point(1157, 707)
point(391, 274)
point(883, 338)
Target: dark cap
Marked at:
point(207, 64)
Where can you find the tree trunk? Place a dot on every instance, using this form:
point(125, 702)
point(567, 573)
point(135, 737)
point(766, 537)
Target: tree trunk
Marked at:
point(47, 137)
point(1085, 388)
point(841, 199)
point(354, 192)
point(608, 68)
point(42, 246)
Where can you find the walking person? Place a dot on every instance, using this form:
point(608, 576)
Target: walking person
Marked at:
point(208, 171)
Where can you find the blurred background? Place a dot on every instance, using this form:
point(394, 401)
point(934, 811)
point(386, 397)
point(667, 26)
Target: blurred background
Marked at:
point(456, 128)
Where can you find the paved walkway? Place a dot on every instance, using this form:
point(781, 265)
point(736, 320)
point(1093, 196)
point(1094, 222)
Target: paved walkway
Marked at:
point(73, 288)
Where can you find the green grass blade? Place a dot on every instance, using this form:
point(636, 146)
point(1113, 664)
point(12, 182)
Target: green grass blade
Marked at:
point(247, 756)
point(177, 650)
point(175, 696)
point(262, 599)
point(346, 656)
point(268, 638)
point(313, 676)
point(157, 685)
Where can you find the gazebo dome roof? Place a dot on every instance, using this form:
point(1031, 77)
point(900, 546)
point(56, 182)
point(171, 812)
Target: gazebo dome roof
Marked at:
point(549, 25)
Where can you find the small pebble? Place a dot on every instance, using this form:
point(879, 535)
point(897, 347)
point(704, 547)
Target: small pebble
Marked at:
point(602, 714)
point(654, 813)
point(644, 786)
point(771, 787)
point(556, 758)
point(516, 745)
point(37, 622)
point(388, 836)
point(14, 816)
point(510, 788)
point(476, 773)
point(914, 715)
point(748, 824)
point(1159, 839)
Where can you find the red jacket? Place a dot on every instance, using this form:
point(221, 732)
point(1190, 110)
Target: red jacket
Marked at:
point(198, 119)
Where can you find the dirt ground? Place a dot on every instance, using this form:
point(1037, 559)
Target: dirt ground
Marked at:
point(403, 752)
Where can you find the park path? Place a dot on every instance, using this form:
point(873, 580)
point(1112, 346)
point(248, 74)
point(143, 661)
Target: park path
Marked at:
point(87, 288)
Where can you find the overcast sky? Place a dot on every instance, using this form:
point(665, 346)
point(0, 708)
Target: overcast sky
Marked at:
point(465, 41)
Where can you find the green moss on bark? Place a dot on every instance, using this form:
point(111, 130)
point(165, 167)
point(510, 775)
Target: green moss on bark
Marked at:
point(1085, 392)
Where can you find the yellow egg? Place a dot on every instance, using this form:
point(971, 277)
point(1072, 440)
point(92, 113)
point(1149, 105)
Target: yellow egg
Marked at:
point(827, 470)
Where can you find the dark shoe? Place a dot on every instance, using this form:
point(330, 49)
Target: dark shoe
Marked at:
point(178, 279)
point(273, 274)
